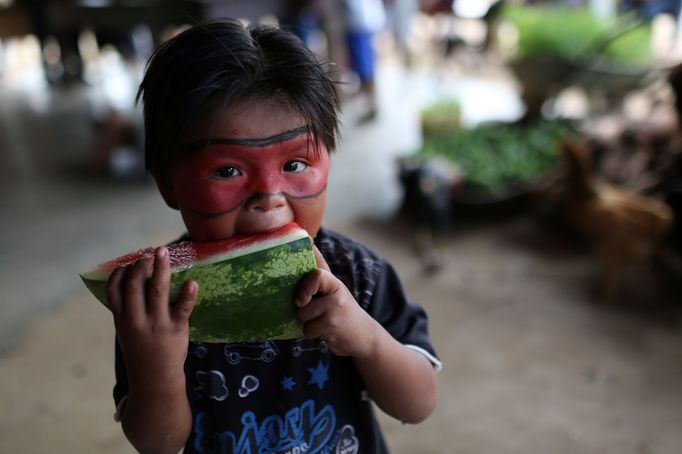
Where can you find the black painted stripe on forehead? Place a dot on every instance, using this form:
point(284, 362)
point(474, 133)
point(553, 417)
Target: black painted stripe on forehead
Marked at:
point(260, 142)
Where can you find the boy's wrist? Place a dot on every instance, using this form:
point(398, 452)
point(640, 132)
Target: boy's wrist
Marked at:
point(373, 343)
point(161, 386)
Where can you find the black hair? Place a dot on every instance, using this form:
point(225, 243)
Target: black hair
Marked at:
point(210, 66)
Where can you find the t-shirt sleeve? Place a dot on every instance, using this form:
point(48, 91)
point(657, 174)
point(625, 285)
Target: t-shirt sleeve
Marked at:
point(406, 321)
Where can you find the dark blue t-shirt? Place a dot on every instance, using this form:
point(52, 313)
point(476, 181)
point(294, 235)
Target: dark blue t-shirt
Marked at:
point(295, 396)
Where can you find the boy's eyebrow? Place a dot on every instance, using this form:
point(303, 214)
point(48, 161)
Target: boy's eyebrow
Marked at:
point(259, 142)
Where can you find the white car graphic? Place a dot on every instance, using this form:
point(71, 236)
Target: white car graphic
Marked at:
point(265, 351)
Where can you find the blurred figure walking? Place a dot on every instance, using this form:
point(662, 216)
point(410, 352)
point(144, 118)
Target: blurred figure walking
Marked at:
point(300, 17)
point(401, 14)
point(362, 20)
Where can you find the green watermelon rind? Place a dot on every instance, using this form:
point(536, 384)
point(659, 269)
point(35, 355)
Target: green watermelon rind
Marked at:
point(243, 298)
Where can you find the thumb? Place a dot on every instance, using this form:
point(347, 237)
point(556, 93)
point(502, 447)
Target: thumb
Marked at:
point(184, 305)
point(321, 262)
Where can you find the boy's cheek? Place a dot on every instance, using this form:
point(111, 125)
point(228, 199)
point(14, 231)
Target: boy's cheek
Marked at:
point(306, 185)
point(195, 191)
point(202, 228)
point(211, 200)
point(308, 213)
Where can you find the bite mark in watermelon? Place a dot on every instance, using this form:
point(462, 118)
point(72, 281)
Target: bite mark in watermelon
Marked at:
point(246, 283)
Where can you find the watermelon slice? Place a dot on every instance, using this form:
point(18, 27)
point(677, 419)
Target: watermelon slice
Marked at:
point(246, 283)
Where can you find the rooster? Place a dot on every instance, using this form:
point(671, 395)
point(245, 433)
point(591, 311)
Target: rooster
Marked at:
point(623, 227)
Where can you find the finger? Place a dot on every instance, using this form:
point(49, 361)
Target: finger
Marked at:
point(134, 295)
point(321, 262)
point(315, 309)
point(184, 305)
point(114, 291)
point(316, 282)
point(158, 285)
point(314, 329)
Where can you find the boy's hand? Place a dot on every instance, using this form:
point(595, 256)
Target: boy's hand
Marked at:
point(400, 380)
point(329, 311)
point(153, 335)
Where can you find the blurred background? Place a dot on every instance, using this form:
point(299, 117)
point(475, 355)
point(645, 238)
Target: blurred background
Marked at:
point(518, 162)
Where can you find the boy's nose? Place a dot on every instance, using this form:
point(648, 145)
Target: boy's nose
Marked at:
point(262, 202)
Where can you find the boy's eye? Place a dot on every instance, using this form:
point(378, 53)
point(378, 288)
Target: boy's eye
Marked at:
point(226, 172)
point(295, 166)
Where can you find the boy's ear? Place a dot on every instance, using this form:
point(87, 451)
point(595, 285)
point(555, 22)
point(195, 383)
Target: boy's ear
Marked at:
point(166, 190)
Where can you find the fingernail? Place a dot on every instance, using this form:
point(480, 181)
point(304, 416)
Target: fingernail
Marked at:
point(161, 252)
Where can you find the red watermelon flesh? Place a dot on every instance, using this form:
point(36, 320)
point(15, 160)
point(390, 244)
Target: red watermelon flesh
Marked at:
point(190, 253)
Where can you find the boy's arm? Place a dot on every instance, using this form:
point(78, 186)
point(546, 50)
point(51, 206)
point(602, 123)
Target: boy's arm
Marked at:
point(158, 420)
point(399, 379)
point(153, 336)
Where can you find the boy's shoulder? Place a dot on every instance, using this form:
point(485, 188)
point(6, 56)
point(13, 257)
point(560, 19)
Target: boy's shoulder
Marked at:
point(336, 246)
point(356, 265)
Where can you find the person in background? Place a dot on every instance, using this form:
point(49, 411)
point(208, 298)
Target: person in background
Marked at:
point(300, 18)
point(401, 14)
point(363, 19)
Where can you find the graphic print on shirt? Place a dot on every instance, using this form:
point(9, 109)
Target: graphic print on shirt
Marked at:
point(264, 351)
point(213, 384)
point(199, 350)
point(319, 374)
point(302, 429)
point(348, 443)
point(288, 383)
point(308, 345)
point(249, 385)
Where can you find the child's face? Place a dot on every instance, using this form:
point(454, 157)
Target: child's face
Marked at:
point(263, 175)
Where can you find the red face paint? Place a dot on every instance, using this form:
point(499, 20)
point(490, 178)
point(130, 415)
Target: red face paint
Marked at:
point(224, 177)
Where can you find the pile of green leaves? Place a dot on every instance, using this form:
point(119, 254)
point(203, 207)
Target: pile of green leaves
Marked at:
point(498, 157)
point(575, 33)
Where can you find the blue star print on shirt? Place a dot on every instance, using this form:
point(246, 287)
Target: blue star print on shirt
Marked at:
point(288, 383)
point(318, 375)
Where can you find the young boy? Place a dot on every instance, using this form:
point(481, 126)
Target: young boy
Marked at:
point(239, 125)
